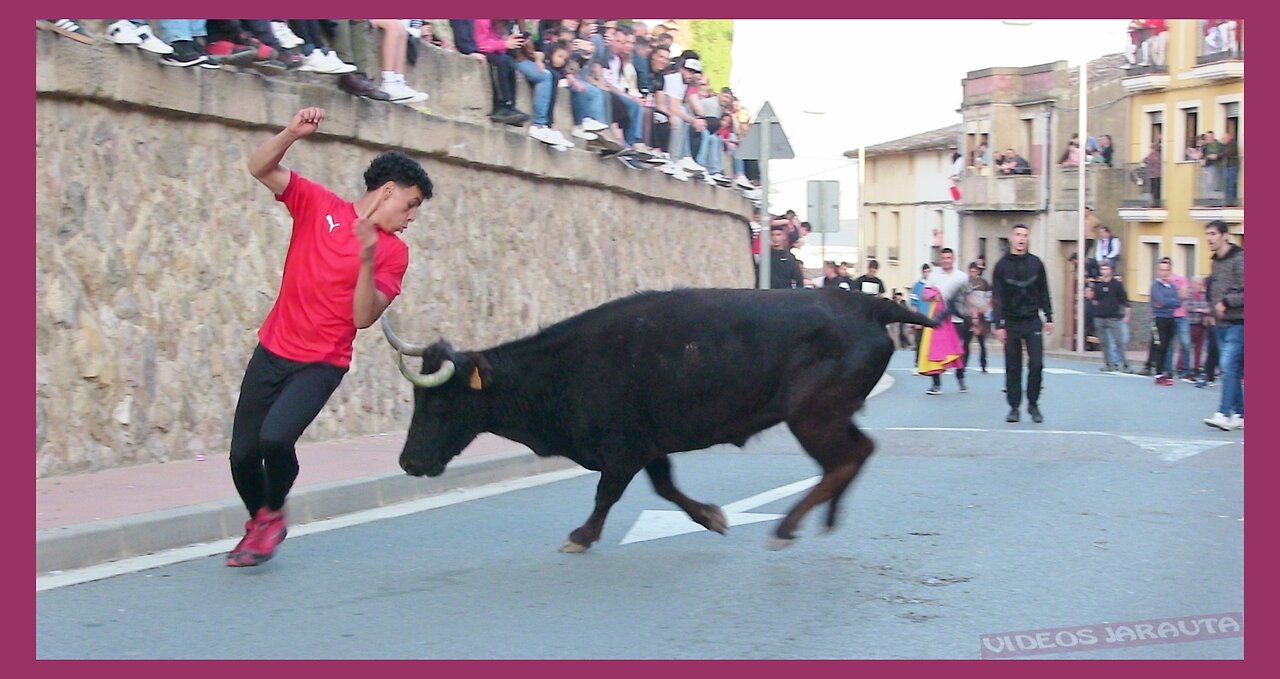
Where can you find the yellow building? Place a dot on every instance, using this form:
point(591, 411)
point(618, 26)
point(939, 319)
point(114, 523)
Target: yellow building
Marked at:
point(1194, 88)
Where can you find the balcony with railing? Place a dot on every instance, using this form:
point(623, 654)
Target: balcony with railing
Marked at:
point(1142, 198)
point(1219, 49)
point(997, 192)
point(1218, 192)
point(1103, 185)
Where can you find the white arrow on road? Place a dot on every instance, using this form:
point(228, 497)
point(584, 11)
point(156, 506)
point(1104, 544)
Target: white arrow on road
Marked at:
point(1172, 450)
point(654, 524)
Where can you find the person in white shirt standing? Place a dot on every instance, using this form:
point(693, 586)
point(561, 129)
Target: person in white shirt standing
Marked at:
point(954, 286)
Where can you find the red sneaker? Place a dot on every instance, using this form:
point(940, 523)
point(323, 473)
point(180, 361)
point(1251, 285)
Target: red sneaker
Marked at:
point(227, 52)
point(235, 557)
point(267, 529)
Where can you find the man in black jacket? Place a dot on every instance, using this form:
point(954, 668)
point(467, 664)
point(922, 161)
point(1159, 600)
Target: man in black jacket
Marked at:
point(784, 270)
point(1020, 291)
point(1226, 295)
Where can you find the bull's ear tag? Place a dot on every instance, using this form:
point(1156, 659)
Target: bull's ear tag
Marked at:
point(476, 383)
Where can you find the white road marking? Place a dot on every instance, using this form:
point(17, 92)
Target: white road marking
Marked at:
point(172, 556)
point(1172, 450)
point(655, 524)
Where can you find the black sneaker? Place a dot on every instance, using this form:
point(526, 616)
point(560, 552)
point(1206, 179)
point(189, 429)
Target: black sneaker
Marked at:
point(1013, 415)
point(1034, 410)
point(509, 116)
point(934, 390)
point(185, 54)
point(964, 388)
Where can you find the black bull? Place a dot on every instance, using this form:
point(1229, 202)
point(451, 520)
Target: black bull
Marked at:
point(618, 388)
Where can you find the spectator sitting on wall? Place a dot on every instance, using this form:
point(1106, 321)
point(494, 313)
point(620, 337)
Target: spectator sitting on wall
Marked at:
point(501, 71)
point(317, 56)
point(587, 100)
point(679, 101)
point(137, 32)
point(351, 39)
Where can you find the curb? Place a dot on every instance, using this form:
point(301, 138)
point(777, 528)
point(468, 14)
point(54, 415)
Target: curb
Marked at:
point(89, 544)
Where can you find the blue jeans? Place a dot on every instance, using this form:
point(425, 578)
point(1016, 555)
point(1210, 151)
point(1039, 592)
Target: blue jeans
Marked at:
point(711, 153)
point(1231, 353)
point(1183, 329)
point(1109, 331)
point(634, 130)
point(171, 30)
point(588, 104)
point(540, 79)
point(1231, 180)
point(739, 166)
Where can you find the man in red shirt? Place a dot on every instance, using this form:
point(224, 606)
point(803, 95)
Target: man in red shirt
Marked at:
point(344, 266)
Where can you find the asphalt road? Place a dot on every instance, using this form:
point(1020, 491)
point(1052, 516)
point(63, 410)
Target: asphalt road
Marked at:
point(1122, 506)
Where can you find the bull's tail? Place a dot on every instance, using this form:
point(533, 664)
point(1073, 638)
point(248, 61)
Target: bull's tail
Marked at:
point(887, 311)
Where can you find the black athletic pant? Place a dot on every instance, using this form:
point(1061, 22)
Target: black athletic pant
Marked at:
point(503, 69)
point(1211, 354)
point(1165, 329)
point(1029, 333)
point(278, 400)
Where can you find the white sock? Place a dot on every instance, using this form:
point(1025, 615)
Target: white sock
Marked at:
point(388, 77)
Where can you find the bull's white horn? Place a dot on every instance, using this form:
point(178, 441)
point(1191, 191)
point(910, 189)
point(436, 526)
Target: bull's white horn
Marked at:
point(434, 379)
point(399, 344)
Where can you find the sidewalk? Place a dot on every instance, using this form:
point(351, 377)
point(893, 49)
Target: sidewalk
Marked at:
point(87, 519)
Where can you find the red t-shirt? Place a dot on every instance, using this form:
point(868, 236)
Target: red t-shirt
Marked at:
point(313, 319)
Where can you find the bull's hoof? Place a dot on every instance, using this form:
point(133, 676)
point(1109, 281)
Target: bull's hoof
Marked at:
point(571, 547)
point(775, 544)
point(715, 519)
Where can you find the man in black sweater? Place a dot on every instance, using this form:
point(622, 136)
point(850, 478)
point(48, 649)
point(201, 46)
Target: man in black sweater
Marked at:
point(784, 270)
point(1020, 291)
point(1110, 303)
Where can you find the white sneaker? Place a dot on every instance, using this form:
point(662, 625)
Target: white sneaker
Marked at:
point(1220, 421)
point(593, 125)
point(543, 135)
point(708, 179)
point(401, 93)
point(688, 164)
point(1237, 422)
point(583, 134)
point(339, 66)
point(744, 183)
point(315, 63)
point(561, 139)
point(662, 158)
point(285, 35)
point(124, 32)
point(674, 171)
point(151, 43)
point(757, 194)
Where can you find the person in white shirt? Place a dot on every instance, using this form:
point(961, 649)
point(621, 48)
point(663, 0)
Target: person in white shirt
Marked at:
point(679, 101)
point(954, 286)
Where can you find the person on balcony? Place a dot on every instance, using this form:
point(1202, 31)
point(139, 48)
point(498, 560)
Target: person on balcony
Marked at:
point(1014, 163)
point(1153, 164)
point(1229, 159)
point(1071, 157)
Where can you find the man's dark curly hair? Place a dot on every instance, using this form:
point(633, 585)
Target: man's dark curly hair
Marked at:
point(399, 168)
